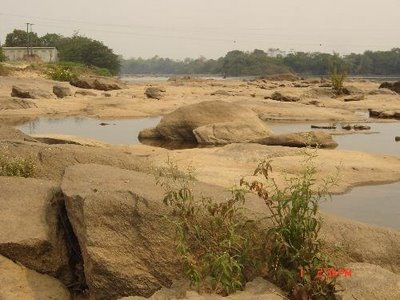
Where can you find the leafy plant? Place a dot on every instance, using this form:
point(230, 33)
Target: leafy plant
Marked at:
point(337, 79)
point(61, 73)
point(16, 166)
point(295, 257)
point(219, 247)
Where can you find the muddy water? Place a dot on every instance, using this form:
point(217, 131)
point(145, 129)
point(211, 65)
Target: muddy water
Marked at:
point(111, 131)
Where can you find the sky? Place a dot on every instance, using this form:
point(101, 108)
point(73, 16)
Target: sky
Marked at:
point(210, 28)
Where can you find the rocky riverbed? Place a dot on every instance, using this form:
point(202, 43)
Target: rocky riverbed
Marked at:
point(90, 223)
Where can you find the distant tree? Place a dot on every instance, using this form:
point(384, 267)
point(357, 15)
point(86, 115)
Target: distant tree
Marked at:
point(19, 38)
point(89, 52)
point(51, 40)
point(2, 56)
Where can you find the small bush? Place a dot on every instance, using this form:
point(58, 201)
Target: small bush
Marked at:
point(295, 255)
point(219, 247)
point(61, 73)
point(2, 56)
point(338, 79)
point(16, 166)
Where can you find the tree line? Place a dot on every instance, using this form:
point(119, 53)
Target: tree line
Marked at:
point(258, 62)
point(77, 48)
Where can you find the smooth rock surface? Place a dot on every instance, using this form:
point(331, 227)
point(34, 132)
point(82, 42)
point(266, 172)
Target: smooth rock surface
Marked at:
point(97, 83)
point(179, 124)
point(20, 283)
point(300, 139)
point(369, 282)
point(30, 231)
point(22, 91)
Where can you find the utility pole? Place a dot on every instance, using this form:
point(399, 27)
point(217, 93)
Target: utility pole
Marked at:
point(31, 43)
point(27, 39)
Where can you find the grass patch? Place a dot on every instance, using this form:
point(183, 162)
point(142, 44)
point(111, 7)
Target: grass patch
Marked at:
point(16, 166)
point(67, 71)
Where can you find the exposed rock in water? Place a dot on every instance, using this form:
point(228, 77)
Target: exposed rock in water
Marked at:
point(279, 97)
point(97, 83)
point(356, 127)
point(323, 127)
point(181, 123)
point(384, 114)
point(61, 91)
point(22, 91)
point(228, 132)
point(30, 231)
point(18, 282)
point(368, 282)
point(154, 92)
point(85, 93)
point(300, 139)
point(393, 86)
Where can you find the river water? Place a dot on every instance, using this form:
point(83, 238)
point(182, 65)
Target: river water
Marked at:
point(379, 204)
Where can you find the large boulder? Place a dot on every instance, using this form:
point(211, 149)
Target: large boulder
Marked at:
point(228, 132)
point(127, 245)
point(30, 230)
point(181, 123)
point(10, 133)
point(300, 139)
point(393, 86)
point(61, 91)
point(22, 91)
point(154, 92)
point(18, 282)
point(97, 83)
point(368, 282)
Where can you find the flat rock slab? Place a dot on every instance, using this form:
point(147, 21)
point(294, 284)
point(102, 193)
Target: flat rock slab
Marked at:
point(97, 83)
point(18, 282)
point(30, 232)
point(22, 91)
point(369, 282)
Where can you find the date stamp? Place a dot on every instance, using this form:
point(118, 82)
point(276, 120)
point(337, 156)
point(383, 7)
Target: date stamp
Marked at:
point(330, 273)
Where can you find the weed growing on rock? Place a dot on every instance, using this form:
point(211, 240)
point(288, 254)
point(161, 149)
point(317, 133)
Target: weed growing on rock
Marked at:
point(16, 166)
point(219, 247)
point(295, 258)
point(337, 79)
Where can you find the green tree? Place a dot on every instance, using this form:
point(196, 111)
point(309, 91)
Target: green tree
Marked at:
point(51, 40)
point(19, 38)
point(2, 56)
point(89, 52)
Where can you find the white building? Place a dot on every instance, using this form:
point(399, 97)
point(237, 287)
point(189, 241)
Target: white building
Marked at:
point(45, 54)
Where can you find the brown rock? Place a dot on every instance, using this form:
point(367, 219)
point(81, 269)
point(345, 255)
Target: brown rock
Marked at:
point(230, 132)
point(354, 98)
point(97, 83)
point(61, 91)
point(30, 230)
point(10, 133)
point(220, 93)
point(18, 282)
point(154, 93)
point(300, 139)
point(279, 97)
point(368, 282)
point(179, 124)
point(22, 91)
point(85, 93)
point(393, 86)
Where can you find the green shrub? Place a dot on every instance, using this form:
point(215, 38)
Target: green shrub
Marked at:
point(61, 73)
point(337, 79)
point(294, 248)
point(2, 56)
point(219, 247)
point(16, 166)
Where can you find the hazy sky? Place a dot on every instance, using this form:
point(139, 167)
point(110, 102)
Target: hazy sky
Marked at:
point(190, 28)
